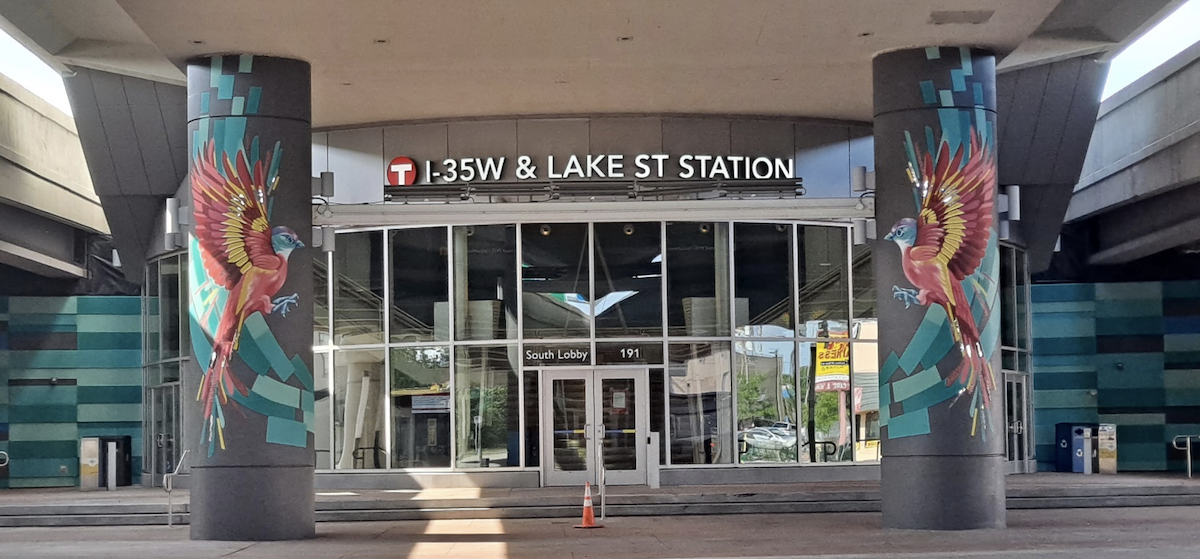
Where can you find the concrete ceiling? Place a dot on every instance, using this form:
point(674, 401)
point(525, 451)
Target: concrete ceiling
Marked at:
point(523, 57)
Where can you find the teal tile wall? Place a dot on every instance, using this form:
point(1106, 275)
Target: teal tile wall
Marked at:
point(70, 367)
point(1123, 353)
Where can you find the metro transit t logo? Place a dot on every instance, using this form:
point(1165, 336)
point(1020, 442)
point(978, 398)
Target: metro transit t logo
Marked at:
point(402, 171)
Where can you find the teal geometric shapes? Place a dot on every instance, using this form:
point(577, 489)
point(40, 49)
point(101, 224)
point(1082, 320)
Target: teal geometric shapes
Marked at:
point(235, 129)
point(302, 372)
point(276, 391)
point(941, 346)
point(109, 394)
point(927, 333)
point(110, 305)
point(59, 413)
point(910, 424)
point(256, 327)
point(16, 319)
point(257, 403)
point(908, 387)
point(957, 80)
point(245, 63)
point(933, 53)
point(43, 305)
point(1146, 290)
point(928, 92)
point(108, 323)
point(225, 88)
point(307, 402)
point(110, 340)
point(205, 100)
point(42, 395)
point(253, 99)
point(947, 99)
point(932, 396)
point(218, 138)
point(287, 432)
point(977, 91)
point(215, 66)
point(239, 105)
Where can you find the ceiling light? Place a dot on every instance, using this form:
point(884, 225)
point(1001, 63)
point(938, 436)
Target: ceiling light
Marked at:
point(196, 42)
point(971, 17)
point(628, 229)
point(624, 39)
point(545, 230)
point(381, 41)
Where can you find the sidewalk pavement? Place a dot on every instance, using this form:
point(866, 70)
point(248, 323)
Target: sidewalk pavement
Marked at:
point(1156, 532)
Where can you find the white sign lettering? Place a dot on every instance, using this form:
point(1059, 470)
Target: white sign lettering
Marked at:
point(653, 166)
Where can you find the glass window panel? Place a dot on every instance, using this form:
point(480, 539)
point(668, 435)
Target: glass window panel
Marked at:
point(532, 420)
point(762, 260)
point(766, 402)
point(701, 403)
point(658, 411)
point(628, 279)
point(168, 297)
point(619, 421)
point(323, 439)
point(358, 288)
point(152, 314)
point(826, 405)
point(420, 396)
point(359, 412)
point(1008, 298)
point(420, 285)
point(485, 282)
point(698, 279)
point(185, 340)
point(170, 372)
point(568, 404)
point(554, 264)
point(866, 321)
point(1022, 304)
point(821, 273)
point(321, 299)
point(864, 395)
point(486, 407)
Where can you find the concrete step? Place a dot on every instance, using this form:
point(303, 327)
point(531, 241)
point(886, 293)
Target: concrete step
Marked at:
point(534, 504)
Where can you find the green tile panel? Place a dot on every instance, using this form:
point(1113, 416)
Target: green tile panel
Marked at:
point(1108, 292)
point(110, 305)
point(44, 468)
point(1181, 379)
point(109, 340)
point(1065, 307)
point(27, 432)
point(42, 395)
point(110, 412)
point(110, 394)
point(43, 414)
point(43, 305)
point(110, 377)
point(109, 323)
point(1181, 342)
point(1128, 326)
point(43, 320)
point(1049, 399)
point(66, 359)
point(1064, 292)
point(21, 483)
point(1133, 418)
point(1064, 325)
point(26, 450)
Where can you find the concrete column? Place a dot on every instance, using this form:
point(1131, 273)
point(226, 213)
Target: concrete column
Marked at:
point(936, 274)
point(248, 392)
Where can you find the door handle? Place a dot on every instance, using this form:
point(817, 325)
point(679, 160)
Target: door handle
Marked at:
point(587, 431)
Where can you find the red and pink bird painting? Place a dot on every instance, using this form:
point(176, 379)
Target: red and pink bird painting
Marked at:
point(242, 253)
point(944, 246)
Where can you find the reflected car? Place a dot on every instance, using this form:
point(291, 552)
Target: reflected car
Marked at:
point(768, 438)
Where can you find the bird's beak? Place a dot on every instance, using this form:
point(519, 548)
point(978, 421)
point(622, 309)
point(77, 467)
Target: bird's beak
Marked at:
point(299, 243)
point(889, 237)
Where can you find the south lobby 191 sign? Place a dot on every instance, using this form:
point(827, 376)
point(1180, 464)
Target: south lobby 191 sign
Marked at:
point(403, 171)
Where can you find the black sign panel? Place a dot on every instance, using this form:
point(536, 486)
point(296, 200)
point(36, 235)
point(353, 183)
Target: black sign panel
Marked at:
point(622, 353)
point(573, 354)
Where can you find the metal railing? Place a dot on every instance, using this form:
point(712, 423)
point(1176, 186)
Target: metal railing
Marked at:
point(169, 485)
point(600, 477)
point(1187, 447)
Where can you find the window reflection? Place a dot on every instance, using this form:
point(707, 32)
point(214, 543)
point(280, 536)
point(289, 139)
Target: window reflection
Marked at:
point(864, 358)
point(766, 402)
point(420, 396)
point(701, 407)
point(420, 284)
point(698, 279)
point(322, 412)
point(628, 279)
point(358, 288)
point(359, 413)
point(762, 256)
point(486, 400)
point(822, 273)
point(555, 280)
point(485, 282)
point(863, 292)
point(826, 369)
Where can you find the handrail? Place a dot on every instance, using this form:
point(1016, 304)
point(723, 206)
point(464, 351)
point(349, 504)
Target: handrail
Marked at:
point(600, 477)
point(169, 485)
point(1187, 446)
point(3, 458)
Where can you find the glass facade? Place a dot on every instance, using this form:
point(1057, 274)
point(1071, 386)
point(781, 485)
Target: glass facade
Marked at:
point(748, 334)
point(166, 345)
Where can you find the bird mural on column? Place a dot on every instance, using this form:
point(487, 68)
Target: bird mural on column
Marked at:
point(946, 244)
point(242, 254)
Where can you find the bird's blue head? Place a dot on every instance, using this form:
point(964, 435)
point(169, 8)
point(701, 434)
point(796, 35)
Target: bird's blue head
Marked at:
point(284, 241)
point(904, 232)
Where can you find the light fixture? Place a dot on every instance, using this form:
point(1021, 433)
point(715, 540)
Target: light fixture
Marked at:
point(863, 229)
point(173, 216)
point(470, 230)
point(322, 185)
point(627, 229)
point(705, 228)
point(1004, 229)
point(325, 237)
point(545, 230)
point(1013, 192)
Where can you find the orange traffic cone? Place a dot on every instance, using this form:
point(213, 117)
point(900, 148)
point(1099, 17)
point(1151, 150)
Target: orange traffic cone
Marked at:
point(589, 517)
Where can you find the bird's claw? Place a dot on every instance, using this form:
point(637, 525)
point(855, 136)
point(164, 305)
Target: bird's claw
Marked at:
point(282, 303)
point(906, 296)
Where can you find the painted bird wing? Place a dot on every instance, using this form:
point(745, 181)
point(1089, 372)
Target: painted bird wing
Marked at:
point(955, 220)
point(231, 215)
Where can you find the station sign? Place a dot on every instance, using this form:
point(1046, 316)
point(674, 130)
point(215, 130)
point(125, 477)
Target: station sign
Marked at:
point(629, 353)
point(404, 171)
point(557, 354)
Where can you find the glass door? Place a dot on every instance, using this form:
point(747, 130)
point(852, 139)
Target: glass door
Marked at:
point(594, 418)
point(1016, 416)
point(164, 402)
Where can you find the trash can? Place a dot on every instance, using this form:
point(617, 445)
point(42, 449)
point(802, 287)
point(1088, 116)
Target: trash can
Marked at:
point(124, 461)
point(1106, 445)
point(1075, 450)
point(89, 463)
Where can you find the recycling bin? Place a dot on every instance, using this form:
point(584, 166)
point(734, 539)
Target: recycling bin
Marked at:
point(1076, 449)
point(124, 460)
